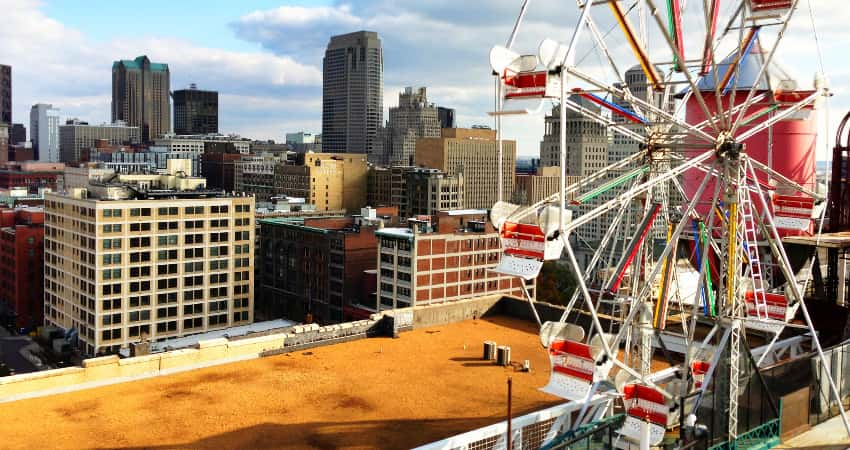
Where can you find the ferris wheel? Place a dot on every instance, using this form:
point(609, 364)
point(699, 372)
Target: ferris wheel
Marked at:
point(722, 169)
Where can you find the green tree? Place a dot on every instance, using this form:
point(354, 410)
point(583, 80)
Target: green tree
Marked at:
point(556, 283)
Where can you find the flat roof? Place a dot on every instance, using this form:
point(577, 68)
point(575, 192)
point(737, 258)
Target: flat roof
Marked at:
point(242, 330)
point(466, 212)
point(825, 240)
point(427, 385)
point(395, 232)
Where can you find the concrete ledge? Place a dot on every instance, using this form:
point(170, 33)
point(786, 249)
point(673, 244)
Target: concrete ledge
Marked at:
point(100, 361)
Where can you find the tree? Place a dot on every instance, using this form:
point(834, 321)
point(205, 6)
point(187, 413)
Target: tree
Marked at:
point(556, 283)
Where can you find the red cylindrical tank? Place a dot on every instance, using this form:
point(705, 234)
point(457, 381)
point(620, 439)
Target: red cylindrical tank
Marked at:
point(788, 146)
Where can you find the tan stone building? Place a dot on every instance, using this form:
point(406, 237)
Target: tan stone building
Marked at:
point(475, 153)
point(163, 259)
point(531, 189)
point(330, 181)
point(140, 96)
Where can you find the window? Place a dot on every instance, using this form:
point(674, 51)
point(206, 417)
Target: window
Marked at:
point(136, 316)
point(166, 269)
point(218, 251)
point(109, 335)
point(218, 278)
point(112, 274)
point(219, 209)
point(170, 311)
point(142, 300)
point(140, 242)
point(140, 212)
point(196, 266)
point(165, 298)
point(166, 226)
point(194, 210)
point(111, 289)
point(240, 316)
point(111, 243)
point(218, 237)
point(241, 235)
point(193, 253)
point(140, 257)
point(172, 211)
point(167, 240)
point(140, 226)
point(169, 283)
point(112, 258)
point(139, 286)
point(112, 228)
point(143, 271)
point(194, 224)
point(197, 294)
point(219, 264)
point(197, 280)
point(193, 239)
point(197, 322)
point(166, 327)
point(197, 308)
point(111, 213)
point(218, 292)
point(164, 255)
point(241, 276)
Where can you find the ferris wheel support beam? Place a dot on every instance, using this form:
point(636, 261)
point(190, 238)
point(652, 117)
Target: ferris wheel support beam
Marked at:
point(737, 122)
point(781, 116)
point(734, 109)
point(785, 266)
point(700, 99)
point(664, 254)
point(696, 132)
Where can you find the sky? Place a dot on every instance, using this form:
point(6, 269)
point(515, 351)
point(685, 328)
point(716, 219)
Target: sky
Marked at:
point(265, 57)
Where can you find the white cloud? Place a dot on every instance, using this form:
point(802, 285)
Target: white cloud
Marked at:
point(56, 64)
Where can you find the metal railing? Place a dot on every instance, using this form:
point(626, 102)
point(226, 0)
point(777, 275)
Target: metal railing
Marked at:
point(529, 432)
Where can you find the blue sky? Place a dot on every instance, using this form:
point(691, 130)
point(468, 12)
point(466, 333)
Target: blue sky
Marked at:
point(264, 56)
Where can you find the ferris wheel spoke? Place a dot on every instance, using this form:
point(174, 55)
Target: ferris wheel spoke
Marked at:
point(778, 117)
point(653, 9)
point(763, 69)
point(602, 120)
point(712, 14)
point(734, 109)
point(600, 42)
point(787, 181)
point(626, 96)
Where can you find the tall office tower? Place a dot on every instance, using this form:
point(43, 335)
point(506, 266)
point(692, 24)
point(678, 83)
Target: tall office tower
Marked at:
point(5, 94)
point(140, 91)
point(474, 153)
point(44, 132)
point(146, 257)
point(76, 137)
point(412, 119)
point(195, 111)
point(447, 117)
point(352, 93)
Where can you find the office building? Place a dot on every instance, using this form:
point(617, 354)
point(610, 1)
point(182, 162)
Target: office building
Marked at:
point(474, 152)
point(195, 111)
point(415, 191)
point(412, 119)
point(17, 134)
point(447, 117)
point(77, 137)
point(352, 93)
point(254, 175)
point(303, 142)
point(44, 132)
point(22, 265)
point(587, 140)
point(330, 181)
point(4, 142)
point(140, 90)
point(146, 257)
point(5, 94)
point(219, 168)
point(440, 262)
point(312, 269)
point(130, 159)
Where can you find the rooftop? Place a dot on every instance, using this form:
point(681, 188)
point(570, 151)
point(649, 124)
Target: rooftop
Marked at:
point(373, 393)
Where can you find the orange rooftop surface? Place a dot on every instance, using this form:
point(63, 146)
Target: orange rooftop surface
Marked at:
point(427, 385)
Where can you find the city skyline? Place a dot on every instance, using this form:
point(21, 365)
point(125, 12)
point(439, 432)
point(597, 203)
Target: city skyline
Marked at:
point(271, 54)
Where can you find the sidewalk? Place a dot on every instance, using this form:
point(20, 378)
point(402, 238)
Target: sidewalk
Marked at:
point(829, 435)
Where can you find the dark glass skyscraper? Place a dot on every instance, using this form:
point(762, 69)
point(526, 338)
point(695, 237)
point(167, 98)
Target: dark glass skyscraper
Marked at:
point(140, 96)
point(6, 94)
point(447, 117)
point(352, 93)
point(195, 111)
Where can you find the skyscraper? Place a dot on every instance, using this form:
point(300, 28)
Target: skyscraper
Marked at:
point(44, 132)
point(140, 96)
point(6, 94)
point(413, 118)
point(352, 93)
point(195, 111)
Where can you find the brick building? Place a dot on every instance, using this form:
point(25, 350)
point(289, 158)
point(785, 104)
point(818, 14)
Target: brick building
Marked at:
point(313, 268)
point(429, 263)
point(31, 174)
point(22, 266)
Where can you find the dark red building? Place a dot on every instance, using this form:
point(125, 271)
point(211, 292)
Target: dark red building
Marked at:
point(22, 266)
point(30, 174)
point(220, 169)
